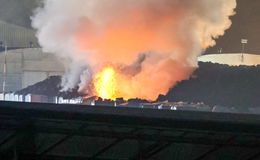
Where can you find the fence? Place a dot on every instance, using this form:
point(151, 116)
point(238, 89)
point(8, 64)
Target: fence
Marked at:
point(38, 98)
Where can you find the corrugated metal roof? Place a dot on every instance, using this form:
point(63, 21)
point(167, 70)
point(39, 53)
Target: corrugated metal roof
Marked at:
point(17, 36)
point(50, 132)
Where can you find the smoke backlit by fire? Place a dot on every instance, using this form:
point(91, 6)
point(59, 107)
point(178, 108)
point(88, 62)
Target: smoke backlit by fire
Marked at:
point(152, 44)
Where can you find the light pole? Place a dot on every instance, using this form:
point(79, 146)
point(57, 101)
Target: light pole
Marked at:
point(4, 72)
point(243, 43)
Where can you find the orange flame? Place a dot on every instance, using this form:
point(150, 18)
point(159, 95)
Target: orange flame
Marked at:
point(105, 83)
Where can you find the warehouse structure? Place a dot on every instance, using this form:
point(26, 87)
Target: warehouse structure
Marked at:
point(14, 36)
point(24, 61)
point(26, 67)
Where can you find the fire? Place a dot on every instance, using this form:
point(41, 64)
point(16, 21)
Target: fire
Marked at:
point(105, 83)
point(90, 34)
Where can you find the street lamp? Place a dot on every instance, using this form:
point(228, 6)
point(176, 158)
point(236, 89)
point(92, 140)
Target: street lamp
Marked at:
point(243, 43)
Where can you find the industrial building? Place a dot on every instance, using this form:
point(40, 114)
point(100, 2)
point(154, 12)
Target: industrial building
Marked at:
point(14, 36)
point(24, 61)
point(26, 67)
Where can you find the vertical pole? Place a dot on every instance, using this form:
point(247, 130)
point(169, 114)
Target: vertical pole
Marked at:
point(4, 73)
point(243, 42)
point(243, 51)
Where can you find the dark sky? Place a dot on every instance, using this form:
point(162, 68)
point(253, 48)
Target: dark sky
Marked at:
point(17, 11)
point(246, 23)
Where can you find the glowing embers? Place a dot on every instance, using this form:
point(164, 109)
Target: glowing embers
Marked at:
point(105, 83)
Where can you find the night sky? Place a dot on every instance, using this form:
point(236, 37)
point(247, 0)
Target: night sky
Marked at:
point(246, 24)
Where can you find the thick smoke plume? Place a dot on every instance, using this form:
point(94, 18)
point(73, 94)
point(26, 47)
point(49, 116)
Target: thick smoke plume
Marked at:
point(152, 43)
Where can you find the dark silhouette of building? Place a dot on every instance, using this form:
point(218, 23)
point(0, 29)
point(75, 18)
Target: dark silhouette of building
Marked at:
point(34, 131)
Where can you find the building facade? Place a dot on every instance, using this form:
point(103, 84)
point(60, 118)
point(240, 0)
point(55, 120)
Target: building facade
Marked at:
point(25, 67)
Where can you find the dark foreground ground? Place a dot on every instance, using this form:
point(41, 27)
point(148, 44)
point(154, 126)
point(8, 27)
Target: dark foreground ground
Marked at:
point(32, 131)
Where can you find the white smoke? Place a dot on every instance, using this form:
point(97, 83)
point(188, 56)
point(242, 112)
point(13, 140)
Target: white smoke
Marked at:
point(95, 32)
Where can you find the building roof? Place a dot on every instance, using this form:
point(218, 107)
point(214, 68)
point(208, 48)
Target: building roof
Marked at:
point(232, 59)
point(50, 132)
point(15, 36)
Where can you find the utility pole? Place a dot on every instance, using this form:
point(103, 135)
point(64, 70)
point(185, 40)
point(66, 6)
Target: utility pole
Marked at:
point(4, 72)
point(243, 42)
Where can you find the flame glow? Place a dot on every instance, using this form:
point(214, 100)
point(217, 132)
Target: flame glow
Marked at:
point(105, 83)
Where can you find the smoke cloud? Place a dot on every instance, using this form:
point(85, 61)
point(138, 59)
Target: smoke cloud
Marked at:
point(153, 43)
